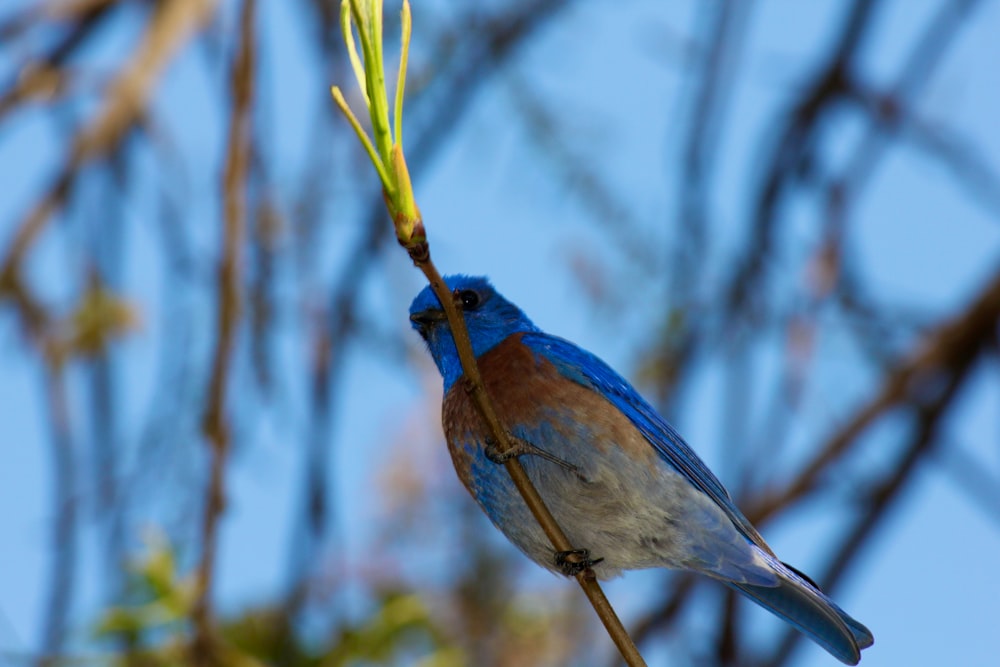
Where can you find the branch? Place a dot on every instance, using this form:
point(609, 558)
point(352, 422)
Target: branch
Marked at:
point(882, 496)
point(887, 116)
point(64, 527)
point(475, 387)
point(890, 112)
point(795, 150)
point(457, 80)
point(215, 425)
point(386, 153)
point(47, 77)
point(724, 33)
point(172, 23)
point(940, 355)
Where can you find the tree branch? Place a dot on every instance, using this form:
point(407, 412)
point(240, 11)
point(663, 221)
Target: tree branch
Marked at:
point(941, 354)
point(215, 424)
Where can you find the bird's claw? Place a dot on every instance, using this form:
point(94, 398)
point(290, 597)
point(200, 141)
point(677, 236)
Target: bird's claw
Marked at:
point(494, 454)
point(519, 447)
point(575, 561)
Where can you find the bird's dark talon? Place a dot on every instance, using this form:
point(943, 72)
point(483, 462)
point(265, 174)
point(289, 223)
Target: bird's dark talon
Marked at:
point(494, 454)
point(575, 561)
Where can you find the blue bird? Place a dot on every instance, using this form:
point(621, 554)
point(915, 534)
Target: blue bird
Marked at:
point(621, 482)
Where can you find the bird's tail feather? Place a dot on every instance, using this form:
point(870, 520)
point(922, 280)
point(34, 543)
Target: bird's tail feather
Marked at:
point(801, 603)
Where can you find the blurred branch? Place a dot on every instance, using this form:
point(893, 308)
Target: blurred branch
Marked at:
point(971, 477)
point(942, 355)
point(171, 24)
point(721, 26)
point(62, 577)
point(727, 648)
point(50, 10)
point(48, 77)
point(929, 411)
point(836, 83)
point(813, 160)
point(713, 82)
point(215, 425)
point(890, 111)
point(548, 130)
point(963, 160)
point(795, 152)
point(329, 339)
point(109, 507)
point(889, 115)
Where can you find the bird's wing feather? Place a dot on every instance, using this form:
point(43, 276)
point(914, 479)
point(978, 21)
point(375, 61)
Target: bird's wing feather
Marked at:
point(589, 371)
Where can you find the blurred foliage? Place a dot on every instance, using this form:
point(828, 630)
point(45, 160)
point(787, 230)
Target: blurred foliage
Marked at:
point(155, 629)
point(100, 318)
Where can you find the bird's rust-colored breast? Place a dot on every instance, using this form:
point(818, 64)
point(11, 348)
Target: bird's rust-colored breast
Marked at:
point(527, 389)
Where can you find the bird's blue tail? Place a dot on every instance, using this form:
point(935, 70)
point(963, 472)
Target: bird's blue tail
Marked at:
point(802, 604)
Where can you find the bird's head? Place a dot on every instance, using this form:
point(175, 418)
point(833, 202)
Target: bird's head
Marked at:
point(489, 317)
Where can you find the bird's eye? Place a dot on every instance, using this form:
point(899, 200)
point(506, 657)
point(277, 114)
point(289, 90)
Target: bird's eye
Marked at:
point(470, 300)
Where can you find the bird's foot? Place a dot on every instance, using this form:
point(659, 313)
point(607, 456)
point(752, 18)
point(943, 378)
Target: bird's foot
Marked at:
point(575, 561)
point(493, 453)
point(521, 447)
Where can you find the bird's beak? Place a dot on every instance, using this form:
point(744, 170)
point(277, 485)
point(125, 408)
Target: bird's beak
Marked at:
point(428, 317)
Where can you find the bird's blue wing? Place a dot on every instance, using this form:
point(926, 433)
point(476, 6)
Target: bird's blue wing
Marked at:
point(587, 370)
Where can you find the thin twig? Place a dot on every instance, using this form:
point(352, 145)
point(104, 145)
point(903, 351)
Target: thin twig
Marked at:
point(411, 234)
point(474, 385)
point(458, 81)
